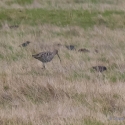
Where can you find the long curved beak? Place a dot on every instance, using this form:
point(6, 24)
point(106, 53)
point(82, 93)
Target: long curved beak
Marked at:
point(59, 57)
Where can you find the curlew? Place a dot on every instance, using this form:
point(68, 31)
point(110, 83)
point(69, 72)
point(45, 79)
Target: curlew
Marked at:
point(45, 57)
point(99, 68)
point(25, 44)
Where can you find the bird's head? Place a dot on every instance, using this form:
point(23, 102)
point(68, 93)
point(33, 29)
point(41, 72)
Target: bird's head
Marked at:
point(28, 42)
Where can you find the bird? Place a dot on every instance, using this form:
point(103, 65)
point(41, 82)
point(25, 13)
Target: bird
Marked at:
point(96, 51)
point(99, 68)
point(25, 44)
point(70, 47)
point(47, 56)
point(13, 26)
point(83, 50)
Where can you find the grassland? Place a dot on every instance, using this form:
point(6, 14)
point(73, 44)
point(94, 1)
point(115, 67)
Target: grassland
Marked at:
point(70, 92)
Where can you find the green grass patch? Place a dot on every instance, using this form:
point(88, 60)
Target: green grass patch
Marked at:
point(116, 77)
point(82, 18)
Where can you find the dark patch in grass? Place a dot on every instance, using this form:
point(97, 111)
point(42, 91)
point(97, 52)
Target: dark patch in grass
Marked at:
point(6, 87)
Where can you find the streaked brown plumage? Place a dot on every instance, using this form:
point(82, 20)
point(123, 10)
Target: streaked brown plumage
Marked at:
point(45, 57)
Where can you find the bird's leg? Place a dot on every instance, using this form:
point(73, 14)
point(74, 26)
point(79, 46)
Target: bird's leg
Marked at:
point(43, 66)
point(58, 57)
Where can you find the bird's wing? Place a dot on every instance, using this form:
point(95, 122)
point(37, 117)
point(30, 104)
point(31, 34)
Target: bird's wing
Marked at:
point(47, 54)
point(43, 54)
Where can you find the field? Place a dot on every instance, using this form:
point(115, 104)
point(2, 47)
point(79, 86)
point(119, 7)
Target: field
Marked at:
point(69, 92)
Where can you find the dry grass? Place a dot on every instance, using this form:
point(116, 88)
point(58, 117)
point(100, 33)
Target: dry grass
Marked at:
point(70, 92)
